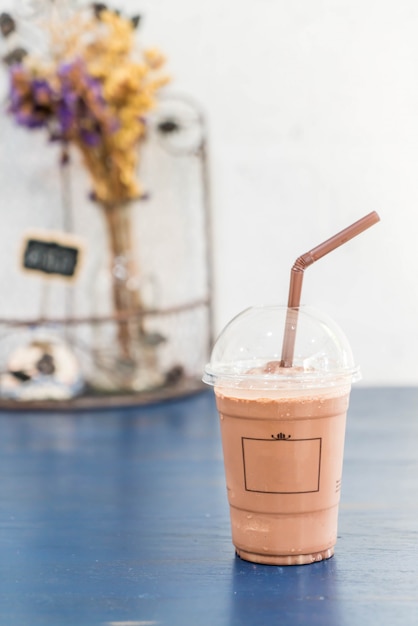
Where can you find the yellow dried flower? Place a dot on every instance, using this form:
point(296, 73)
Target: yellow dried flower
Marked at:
point(154, 58)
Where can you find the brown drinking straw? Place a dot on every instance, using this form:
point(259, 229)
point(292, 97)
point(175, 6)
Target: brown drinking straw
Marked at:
point(296, 278)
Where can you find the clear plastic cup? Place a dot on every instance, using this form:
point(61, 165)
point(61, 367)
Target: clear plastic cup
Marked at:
point(282, 432)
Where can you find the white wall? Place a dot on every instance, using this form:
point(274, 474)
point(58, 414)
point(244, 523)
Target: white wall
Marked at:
point(313, 114)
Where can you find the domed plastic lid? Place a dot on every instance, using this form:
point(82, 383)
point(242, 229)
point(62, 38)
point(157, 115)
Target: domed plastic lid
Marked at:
point(248, 352)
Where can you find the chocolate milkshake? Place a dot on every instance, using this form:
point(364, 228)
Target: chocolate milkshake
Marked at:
point(283, 432)
point(283, 462)
point(282, 379)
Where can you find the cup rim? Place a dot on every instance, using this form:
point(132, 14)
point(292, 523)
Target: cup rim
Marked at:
point(306, 379)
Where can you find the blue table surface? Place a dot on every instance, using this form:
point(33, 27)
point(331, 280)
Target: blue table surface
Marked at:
point(119, 518)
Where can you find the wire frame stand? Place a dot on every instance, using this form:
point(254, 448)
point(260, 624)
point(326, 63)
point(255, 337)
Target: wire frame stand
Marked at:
point(73, 349)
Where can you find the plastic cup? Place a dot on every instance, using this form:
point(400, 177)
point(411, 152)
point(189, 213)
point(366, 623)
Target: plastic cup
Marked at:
point(282, 432)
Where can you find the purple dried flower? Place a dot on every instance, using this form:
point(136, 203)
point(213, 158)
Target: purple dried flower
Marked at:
point(31, 100)
point(82, 109)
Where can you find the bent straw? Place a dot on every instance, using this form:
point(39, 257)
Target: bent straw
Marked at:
point(296, 278)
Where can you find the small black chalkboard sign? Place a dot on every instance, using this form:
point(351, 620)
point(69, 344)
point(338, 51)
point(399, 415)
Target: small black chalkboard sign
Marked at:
point(51, 257)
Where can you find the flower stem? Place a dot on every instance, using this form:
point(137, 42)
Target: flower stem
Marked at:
point(126, 296)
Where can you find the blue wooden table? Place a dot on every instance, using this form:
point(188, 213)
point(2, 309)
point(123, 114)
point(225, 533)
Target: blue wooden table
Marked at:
point(120, 518)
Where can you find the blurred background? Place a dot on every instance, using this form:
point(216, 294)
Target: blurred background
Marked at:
point(312, 112)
